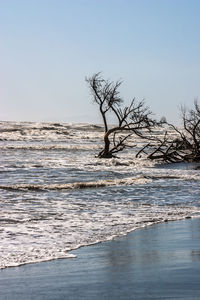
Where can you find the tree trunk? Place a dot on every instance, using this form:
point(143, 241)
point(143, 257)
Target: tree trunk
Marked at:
point(105, 153)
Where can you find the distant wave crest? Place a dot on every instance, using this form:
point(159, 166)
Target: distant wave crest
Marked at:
point(49, 147)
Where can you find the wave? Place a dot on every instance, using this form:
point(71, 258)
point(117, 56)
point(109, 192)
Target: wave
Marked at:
point(98, 184)
point(76, 185)
point(39, 247)
point(18, 126)
point(50, 147)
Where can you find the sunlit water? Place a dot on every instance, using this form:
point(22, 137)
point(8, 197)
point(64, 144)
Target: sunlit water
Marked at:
point(56, 196)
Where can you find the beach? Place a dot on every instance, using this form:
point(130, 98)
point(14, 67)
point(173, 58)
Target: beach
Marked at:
point(157, 262)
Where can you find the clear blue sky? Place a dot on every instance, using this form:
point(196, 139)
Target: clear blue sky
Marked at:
point(48, 47)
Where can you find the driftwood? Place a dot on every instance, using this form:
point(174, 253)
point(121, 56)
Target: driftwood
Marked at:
point(185, 147)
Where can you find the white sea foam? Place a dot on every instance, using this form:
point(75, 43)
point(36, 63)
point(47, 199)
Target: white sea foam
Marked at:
point(55, 231)
point(49, 147)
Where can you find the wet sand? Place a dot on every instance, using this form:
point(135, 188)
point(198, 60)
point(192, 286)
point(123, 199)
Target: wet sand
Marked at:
point(158, 262)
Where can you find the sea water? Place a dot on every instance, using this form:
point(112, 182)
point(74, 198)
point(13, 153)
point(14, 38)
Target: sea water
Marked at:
point(56, 195)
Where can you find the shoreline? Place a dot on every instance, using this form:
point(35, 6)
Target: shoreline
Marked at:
point(71, 255)
point(161, 261)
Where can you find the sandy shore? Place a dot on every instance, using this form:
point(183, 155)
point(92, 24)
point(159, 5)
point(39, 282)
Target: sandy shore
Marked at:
point(158, 262)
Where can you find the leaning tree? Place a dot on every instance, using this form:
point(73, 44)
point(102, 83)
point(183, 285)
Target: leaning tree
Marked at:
point(135, 119)
point(179, 145)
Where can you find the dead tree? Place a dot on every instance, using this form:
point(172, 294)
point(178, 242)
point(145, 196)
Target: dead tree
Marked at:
point(185, 146)
point(134, 119)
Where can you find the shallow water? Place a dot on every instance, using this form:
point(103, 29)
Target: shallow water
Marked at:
point(55, 196)
point(158, 262)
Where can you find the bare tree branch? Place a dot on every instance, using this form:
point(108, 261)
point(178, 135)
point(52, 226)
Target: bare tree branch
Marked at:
point(186, 145)
point(134, 119)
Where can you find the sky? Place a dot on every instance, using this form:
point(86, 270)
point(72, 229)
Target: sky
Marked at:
point(49, 47)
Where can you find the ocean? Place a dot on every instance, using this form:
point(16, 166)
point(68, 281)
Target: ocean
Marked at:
point(56, 195)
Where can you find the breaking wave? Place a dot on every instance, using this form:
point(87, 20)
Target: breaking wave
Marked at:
point(100, 183)
point(50, 147)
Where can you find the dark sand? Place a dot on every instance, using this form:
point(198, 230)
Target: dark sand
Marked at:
point(158, 262)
